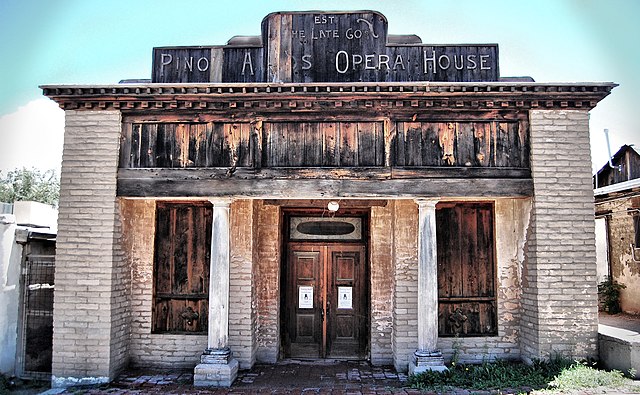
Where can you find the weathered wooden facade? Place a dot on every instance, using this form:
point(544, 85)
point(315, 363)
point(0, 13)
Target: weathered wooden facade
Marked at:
point(325, 190)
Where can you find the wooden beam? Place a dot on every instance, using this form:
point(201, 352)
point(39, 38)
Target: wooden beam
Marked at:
point(323, 173)
point(136, 184)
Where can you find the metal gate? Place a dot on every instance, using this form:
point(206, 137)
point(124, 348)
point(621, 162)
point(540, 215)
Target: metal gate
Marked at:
point(36, 340)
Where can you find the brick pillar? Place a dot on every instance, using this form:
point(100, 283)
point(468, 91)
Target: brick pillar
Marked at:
point(405, 262)
point(560, 312)
point(242, 310)
point(217, 368)
point(91, 304)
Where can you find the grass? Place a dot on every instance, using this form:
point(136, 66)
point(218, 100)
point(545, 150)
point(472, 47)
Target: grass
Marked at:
point(555, 376)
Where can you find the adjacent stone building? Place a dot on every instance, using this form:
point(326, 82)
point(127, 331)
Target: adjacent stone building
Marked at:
point(617, 196)
point(325, 190)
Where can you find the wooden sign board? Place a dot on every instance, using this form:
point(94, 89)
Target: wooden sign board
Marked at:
point(326, 47)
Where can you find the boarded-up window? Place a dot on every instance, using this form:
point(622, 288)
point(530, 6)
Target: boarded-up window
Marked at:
point(181, 267)
point(466, 270)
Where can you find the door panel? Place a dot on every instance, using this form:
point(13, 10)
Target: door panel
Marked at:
point(304, 298)
point(334, 276)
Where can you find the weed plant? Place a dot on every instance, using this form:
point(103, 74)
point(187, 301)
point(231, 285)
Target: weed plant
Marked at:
point(555, 375)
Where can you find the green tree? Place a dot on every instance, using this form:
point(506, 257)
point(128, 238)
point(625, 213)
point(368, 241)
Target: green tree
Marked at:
point(30, 184)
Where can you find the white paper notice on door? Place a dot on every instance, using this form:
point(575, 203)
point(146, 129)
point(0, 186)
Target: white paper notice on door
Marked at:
point(345, 297)
point(305, 297)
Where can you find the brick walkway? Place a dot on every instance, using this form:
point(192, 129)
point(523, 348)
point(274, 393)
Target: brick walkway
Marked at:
point(288, 377)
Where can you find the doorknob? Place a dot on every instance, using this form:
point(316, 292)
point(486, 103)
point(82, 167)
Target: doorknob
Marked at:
point(322, 315)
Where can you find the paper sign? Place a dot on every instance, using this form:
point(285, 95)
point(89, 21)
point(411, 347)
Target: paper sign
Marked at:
point(345, 297)
point(305, 297)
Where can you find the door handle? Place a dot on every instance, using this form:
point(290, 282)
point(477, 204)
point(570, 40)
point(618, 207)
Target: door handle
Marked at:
point(321, 315)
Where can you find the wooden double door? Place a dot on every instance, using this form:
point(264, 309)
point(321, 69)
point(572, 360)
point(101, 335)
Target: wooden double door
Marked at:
point(325, 305)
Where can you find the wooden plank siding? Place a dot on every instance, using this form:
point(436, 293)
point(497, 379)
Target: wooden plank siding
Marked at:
point(485, 144)
point(462, 144)
point(323, 144)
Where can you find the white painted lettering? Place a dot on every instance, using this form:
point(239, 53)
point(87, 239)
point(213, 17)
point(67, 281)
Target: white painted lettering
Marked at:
point(367, 62)
point(203, 64)
point(483, 61)
point(165, 60)
point(346, 61)
point(426, 61)
point(350, 34)
point(247, 61)
point(298, 33)
point(471, 62)
point(444, 65)
point(306, 59)
point(383, 60)
point(188, 63)
point(399, 62)
point(356, 60)
point(455, 62)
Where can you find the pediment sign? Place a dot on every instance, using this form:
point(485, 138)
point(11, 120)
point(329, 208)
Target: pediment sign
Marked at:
point(307, 47)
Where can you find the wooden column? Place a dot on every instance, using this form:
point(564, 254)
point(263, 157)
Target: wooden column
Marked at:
point(217, 368)
point(427, 356)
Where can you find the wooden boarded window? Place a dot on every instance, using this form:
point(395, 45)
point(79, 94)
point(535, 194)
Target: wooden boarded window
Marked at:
point(185, 145)
point(181, 267)
point(323, 144)
point(466, 269)
point(462, 144)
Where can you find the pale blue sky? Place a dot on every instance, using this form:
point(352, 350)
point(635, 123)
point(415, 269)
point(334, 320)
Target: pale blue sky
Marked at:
point(102, 42)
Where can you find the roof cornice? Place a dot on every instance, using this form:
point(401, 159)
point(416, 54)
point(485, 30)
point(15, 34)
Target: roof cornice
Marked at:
point(322, 96)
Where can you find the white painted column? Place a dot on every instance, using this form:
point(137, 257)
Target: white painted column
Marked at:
point(218, 335)
point(217, 368)
point(427, 356)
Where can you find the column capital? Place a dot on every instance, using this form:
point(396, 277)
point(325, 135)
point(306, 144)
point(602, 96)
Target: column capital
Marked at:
point(220, 202)
point(427, 202)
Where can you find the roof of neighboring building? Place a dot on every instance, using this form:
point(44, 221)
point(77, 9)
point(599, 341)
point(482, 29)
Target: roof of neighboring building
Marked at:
point(625, 166)
point(626, 186)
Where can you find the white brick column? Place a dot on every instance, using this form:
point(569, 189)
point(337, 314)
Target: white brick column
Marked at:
point(91, 317)
point(427, 356)
point(559, 293)
point(217, 368)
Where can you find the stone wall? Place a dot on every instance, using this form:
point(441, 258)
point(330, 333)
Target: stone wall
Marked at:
point(91, 306)
point(559, 278)
point(147, 349)
point(620, 236)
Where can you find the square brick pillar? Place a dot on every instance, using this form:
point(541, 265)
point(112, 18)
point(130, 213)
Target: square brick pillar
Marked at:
point(91, 317)
point(217, 367)
point(559, 295)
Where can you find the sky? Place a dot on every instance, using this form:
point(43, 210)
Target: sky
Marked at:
point(44, 42)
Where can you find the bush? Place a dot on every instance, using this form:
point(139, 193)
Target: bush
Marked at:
point(499, 375)
point(609, 295)
point(556, 375)
point(581, 376)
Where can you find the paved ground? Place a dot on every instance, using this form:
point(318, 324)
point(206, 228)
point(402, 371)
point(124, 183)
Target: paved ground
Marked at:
point(287, 377)
point(622, 321)
point(292, 377)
